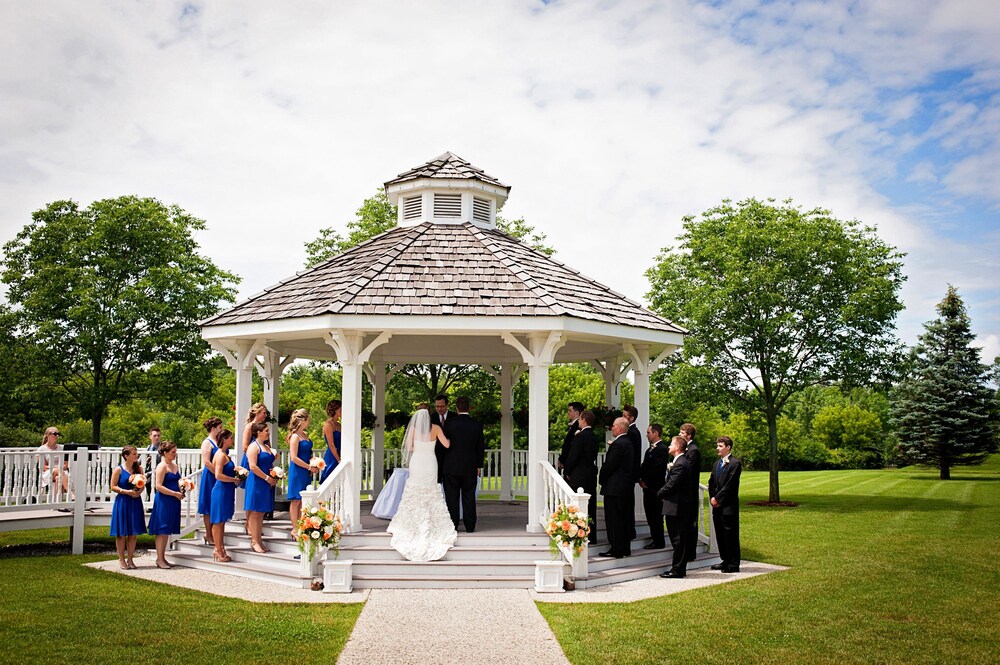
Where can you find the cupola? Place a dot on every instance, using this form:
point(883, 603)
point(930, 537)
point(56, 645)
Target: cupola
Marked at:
point(447, 190)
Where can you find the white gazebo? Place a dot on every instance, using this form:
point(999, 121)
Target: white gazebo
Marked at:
point(445, 286)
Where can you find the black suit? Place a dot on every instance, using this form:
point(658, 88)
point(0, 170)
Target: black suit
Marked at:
point(440, 451)
point(635, 438)
point(724, 487)
point(581, 471)
point(677, 508)
point(617, 487)
point(652, 473)
point(694, 456)
point(461, 467)
point(571, 431)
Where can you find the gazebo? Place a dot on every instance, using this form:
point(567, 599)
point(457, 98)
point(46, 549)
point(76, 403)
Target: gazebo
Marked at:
point(445, 286)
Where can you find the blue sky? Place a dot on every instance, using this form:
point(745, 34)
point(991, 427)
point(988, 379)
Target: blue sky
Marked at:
point(611, 120)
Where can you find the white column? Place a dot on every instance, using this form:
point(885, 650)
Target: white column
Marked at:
point(506, 432)
point(611, 371)
point(246, 354)
point(641, 368)
point(352, 354)
point(274, 366)
point(378, 376)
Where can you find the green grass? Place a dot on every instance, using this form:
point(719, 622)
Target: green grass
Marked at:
point(886, 566)
point(55, 610)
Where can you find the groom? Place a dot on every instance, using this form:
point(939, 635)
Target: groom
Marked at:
point(462, 464)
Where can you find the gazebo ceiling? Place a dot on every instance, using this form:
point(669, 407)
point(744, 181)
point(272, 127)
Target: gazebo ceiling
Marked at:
point(447, 292)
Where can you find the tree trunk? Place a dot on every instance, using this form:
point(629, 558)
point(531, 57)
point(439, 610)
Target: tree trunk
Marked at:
point(95, 427)
point(945, 466)
point(772, 436)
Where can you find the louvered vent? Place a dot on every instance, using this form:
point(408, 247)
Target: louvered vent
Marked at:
point(411, 207)
point(480, 209)
point(447, 205)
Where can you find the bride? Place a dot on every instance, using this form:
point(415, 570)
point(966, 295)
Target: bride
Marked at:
point(422, 529)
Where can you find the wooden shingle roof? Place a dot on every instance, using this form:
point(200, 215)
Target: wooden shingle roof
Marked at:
point(448, 166)
point(443, 270)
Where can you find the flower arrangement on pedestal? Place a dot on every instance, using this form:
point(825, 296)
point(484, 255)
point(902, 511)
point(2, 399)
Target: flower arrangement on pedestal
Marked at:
point(568, 527)
point(319, 527)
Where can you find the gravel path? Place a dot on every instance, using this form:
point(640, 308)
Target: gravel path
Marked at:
point(451, 626)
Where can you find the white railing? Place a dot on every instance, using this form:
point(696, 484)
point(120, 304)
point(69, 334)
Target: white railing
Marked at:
point(36, 480)
point(333, 492)
point(191, 521)
point(558, 492)
point(706, 534)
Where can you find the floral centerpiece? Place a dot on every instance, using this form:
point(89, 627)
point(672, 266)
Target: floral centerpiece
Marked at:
point(185, 484)
point(568, 527)
point(319, 527)
point(241, 473)
point(137, 480)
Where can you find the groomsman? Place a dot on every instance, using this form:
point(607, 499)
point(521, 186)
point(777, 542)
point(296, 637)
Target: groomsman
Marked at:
point(693, 454)
point(463, 464)
point(635, 438)
point(617, 487)
point(581, 466)
point(440, 417)
point(651, 476)
point(677, 507)
point(573, 412)
point(724, 490)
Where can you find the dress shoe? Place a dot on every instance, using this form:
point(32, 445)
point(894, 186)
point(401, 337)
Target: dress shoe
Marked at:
point(731, 569)
point(718, 566)
point(653, 546)
point(671, 575)
point(605, 554)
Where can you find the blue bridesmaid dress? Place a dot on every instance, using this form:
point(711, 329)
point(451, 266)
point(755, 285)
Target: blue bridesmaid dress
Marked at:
point(223, 497)
point(166, 515)
point(331, 463)
point(298, 478)
point(258, 495)
point(127, 515)
point(207, 483)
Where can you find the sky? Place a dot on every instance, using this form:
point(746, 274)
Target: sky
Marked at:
point(611, 121)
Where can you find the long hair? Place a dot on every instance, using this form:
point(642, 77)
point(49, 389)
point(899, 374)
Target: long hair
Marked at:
point(299, 416)
point(128, 450)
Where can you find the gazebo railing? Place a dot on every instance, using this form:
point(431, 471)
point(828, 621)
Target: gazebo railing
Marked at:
point(25, 484)
point(559, 493)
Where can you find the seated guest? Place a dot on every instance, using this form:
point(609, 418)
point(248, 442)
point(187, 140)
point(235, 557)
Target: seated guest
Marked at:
point(128, 519)
point(724, 490)
point(55, 468)
point(166, 516)
point(258, 497)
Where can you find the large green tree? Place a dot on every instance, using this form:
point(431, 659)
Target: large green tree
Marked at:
point(111, 295)
point(945, 411)
point(377, 215)
point(777, 299)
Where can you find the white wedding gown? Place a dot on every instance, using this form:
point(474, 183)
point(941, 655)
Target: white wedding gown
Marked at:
point(422, 529)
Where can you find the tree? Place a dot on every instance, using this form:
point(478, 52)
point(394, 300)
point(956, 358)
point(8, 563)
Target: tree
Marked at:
point(777, 299)
point(112, 295)
point(945, 411)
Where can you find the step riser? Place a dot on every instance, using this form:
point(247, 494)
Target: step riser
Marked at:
point(257, 574)
point(443, 584)
point(441, 571)
point(612, 577)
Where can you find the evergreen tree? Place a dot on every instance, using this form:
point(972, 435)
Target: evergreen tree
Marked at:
point(944, 409)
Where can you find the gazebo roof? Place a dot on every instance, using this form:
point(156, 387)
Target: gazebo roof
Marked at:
point(448, 166)
point(446, 270)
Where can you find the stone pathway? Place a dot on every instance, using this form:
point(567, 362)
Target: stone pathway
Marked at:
point(450, 626)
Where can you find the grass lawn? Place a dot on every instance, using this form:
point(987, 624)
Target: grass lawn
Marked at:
point(886, 566)
point(55, 610)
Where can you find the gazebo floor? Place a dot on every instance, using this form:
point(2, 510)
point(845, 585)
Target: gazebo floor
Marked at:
point(500, 554)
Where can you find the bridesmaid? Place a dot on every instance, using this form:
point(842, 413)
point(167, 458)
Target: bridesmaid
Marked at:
point(208, 449)
point(223, 496)
point(166, 516)
point(258, 414)
point(259, 496)
point(299, 471)
point(331, 435)
point(128, 518)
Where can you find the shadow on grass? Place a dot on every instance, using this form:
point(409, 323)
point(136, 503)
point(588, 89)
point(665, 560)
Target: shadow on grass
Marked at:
point(855, 503)
point(975, 479)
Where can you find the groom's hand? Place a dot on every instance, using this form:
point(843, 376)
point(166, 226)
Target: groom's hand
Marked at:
point(479, 472)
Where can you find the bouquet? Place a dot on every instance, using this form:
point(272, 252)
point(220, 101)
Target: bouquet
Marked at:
point(319, 527)
point(317, 462)
point(137, 480)
point(567, 527)
point(241, 474)
point(277, 472)
point(186, 485)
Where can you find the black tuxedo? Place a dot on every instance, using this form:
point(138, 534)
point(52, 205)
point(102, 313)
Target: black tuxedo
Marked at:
point(694, 456)
point(652, 473)
point(724, 487)
point(677, 508)
point(617, 487)
point(439, 450)
point(635, 438)
point(581, 471)
point(461, 467)
point(571, 431)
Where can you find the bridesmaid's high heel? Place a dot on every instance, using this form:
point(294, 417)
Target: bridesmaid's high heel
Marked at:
point(123, 565)
point(163, 566)
point(259, 549)
point(221, 558)
point(132, 566)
